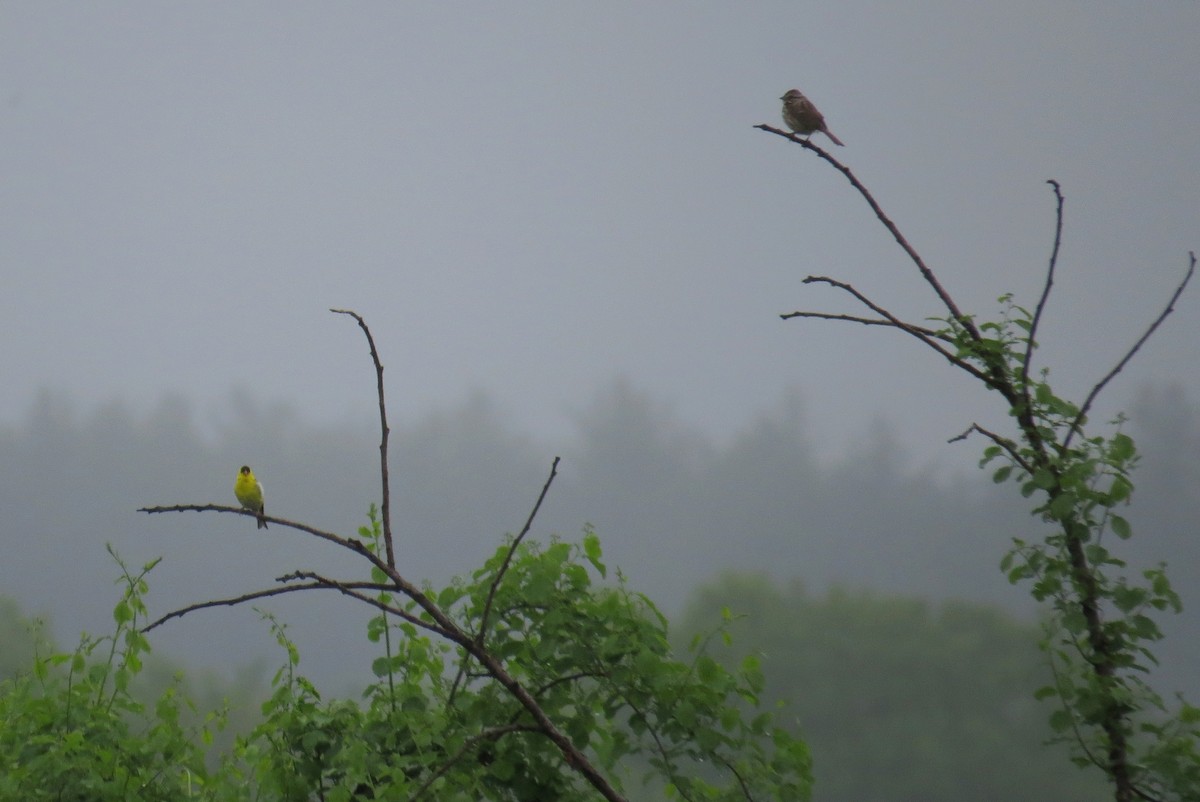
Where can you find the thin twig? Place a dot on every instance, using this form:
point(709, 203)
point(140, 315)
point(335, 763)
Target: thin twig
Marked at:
point(385, 504)
point(1009, 446)
point(1170, 307)
point(1041, 304)
point(487, 606)
point(866, 321)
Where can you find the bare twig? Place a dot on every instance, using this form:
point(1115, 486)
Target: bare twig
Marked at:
point(1170, 307)
point(1041, 304)
point(866, 321)
point(385, 504)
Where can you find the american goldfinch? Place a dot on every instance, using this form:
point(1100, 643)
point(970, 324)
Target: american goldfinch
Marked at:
point(249, 492)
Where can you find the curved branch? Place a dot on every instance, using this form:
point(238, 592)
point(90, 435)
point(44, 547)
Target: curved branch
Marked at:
point(385, 504)
point(356, 546)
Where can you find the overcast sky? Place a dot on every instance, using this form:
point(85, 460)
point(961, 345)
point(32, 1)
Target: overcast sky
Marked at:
point(535, 198)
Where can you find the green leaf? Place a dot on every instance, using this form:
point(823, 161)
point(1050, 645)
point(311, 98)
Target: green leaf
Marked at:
point(593, 552)
point(1121, 447)
point(1063, 505)
point(1121, 489)
point(121, 613)
point(1120, 527)
point(1127, 598)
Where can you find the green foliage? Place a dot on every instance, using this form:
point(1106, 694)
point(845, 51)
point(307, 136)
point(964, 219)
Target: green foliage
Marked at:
point(594, 658)
point(897, 699)
point(22, 639)
point(71, 730)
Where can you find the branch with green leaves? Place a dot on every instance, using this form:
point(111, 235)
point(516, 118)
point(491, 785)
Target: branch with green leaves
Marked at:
point(1101, 624)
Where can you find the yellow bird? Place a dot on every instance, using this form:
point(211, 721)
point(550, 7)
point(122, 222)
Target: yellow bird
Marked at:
point(249, 492)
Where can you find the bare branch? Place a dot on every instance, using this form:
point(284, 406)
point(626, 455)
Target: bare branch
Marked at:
point(925, 335)
point(385, 504)
point(230, 602)
point(354, 545)
point(1170, 307)
point(1010, 447)
point(214, 508)
point(487, 607)
point(915, 257)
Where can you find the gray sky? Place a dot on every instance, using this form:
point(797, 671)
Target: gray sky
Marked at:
point(534, 198)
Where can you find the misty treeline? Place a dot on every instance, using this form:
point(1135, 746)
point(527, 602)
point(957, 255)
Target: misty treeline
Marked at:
point(675, 506)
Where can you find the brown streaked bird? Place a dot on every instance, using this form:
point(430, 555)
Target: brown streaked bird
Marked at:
point(802, 116)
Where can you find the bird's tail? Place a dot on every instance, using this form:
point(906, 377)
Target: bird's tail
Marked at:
point(262, 524)
point(836, 141)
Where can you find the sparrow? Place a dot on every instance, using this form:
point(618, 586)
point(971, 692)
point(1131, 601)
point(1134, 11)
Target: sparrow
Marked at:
point(802, 116)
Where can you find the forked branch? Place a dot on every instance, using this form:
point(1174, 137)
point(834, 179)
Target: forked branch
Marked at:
point(435, 619)
point(892, 228)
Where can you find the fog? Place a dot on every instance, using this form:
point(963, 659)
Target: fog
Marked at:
point(569, 240)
